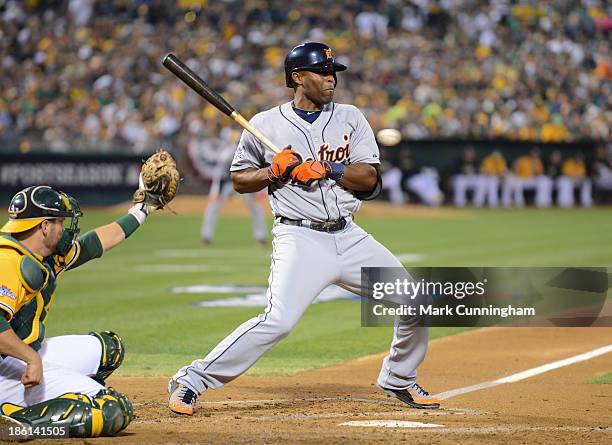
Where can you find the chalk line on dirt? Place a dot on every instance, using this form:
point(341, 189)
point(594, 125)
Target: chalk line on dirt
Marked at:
point(526, 374)
point(391, 424)
point(433, 428)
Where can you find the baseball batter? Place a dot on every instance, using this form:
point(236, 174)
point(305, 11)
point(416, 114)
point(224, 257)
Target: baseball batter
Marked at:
point(314, 187)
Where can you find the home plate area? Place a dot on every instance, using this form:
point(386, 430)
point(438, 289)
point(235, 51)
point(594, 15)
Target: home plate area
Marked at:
point(341, 403)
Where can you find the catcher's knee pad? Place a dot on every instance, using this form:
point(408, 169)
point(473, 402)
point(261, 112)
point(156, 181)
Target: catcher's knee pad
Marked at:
point(116, 408)
point(113, 351)
point(104, 414)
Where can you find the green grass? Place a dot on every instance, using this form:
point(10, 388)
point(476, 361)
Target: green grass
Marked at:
point(164, 331)
point(605, 379)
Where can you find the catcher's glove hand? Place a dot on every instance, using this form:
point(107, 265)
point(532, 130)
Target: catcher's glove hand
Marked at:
point(159, 180)
point(283, 164)
point(310, 173)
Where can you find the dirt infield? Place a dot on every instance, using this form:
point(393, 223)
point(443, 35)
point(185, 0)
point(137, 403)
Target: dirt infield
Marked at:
point(310, 407)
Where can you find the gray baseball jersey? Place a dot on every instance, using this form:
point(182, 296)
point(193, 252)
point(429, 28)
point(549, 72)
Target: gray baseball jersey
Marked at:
point(340, 134)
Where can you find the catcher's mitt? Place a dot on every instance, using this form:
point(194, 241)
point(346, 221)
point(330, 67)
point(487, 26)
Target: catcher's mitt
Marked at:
point(159, 180)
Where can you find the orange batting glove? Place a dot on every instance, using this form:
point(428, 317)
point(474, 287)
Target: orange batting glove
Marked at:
point(309, 173)
point(283, 165)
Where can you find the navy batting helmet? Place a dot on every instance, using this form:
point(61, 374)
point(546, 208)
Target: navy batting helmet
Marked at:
point(310, 56)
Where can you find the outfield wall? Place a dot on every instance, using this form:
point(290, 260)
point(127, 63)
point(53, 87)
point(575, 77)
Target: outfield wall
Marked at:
point(101, 179)
point(444, 154)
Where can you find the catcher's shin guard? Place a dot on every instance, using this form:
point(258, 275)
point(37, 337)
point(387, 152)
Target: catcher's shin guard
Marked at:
point(117, 410)
point(104, 414)
point(113, 352)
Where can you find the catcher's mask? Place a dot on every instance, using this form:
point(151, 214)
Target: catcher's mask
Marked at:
point(33, 205)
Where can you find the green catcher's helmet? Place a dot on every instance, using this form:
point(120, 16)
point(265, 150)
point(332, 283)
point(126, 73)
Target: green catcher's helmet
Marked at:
point(33, 205)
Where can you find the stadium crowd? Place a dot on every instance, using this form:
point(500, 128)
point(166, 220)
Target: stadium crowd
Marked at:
point(86, 74)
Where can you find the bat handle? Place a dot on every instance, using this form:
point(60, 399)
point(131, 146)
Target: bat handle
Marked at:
point(254, 131)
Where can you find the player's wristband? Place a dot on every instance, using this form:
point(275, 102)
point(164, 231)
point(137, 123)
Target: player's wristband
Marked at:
point(136, 216)
point(139, 211)
point(337, 171)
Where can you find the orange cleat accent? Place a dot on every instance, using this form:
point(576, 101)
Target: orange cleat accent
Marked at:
point(181, 400)
point(414, 396)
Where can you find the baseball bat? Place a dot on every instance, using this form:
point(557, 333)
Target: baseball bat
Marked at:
point(197, 84)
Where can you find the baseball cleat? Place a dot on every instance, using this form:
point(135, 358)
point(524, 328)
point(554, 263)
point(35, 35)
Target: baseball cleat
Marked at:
point(11, 430)
point(181, 400)
point(414, 396)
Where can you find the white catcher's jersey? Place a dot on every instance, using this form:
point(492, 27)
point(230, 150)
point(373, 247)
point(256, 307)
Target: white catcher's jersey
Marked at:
point(340, 134)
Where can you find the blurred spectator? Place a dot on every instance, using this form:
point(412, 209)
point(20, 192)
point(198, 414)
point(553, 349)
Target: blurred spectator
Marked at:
point(80, 11)
point(529, 70)
point(422, 183)
point(574, 176)
point(492, 171)
point(371, 23)
point(467, 178)
point(552, 172)
point(426, 186)
point(601, 174)
point(527, 174)
point(391, 176)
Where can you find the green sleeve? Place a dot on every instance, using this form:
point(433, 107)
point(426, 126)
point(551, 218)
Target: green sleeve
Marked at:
point(91, 248)
point(4, 325)
point(128, 224)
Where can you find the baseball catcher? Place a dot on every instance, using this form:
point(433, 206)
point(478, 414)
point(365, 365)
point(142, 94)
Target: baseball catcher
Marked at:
point(38, 245)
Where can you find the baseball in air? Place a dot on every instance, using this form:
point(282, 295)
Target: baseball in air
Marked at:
point(389, 136)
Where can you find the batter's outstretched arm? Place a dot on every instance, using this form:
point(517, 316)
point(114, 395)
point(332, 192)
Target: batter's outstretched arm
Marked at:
point(250, 180)
point(359, 177)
